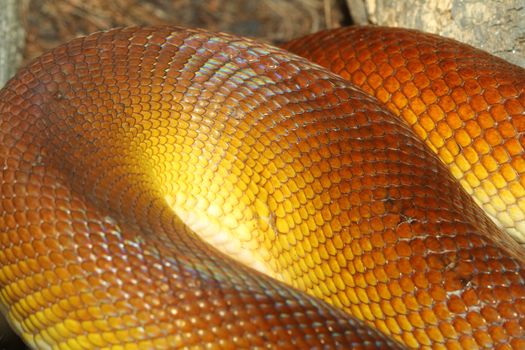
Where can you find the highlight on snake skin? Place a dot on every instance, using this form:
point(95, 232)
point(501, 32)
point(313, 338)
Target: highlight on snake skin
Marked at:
point(166, 188)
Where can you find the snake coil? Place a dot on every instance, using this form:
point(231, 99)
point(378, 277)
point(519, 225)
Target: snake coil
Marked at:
point(124, 154)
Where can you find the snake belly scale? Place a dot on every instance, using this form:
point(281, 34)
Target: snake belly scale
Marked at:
point(124, 153)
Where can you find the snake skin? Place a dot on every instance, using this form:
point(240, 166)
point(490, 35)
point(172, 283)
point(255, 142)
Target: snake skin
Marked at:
point(107, 142)
point(467, 105)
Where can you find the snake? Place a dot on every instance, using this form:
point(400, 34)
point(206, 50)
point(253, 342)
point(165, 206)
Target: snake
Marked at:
point(468, 107)
point(166, 188)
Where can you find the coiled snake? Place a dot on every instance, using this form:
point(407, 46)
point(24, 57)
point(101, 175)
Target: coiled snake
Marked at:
point(124, 154)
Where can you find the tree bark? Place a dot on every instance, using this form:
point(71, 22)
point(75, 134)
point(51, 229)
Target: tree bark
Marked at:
point(11, 39)
point(496, 26)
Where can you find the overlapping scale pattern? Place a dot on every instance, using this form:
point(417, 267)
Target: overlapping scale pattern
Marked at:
point(123, 153)
point(468, 106)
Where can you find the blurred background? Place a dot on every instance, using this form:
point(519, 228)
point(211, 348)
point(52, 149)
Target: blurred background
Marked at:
point(29, 27)
point(50, 22)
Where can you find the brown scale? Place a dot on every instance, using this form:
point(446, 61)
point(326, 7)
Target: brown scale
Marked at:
point(107, 140)
point(468, 106)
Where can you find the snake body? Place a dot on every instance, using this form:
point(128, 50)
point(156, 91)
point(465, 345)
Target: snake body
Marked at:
point(467, 105)
point(124, 154)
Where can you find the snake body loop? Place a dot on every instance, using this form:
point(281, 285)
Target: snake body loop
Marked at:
point(123, 154)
